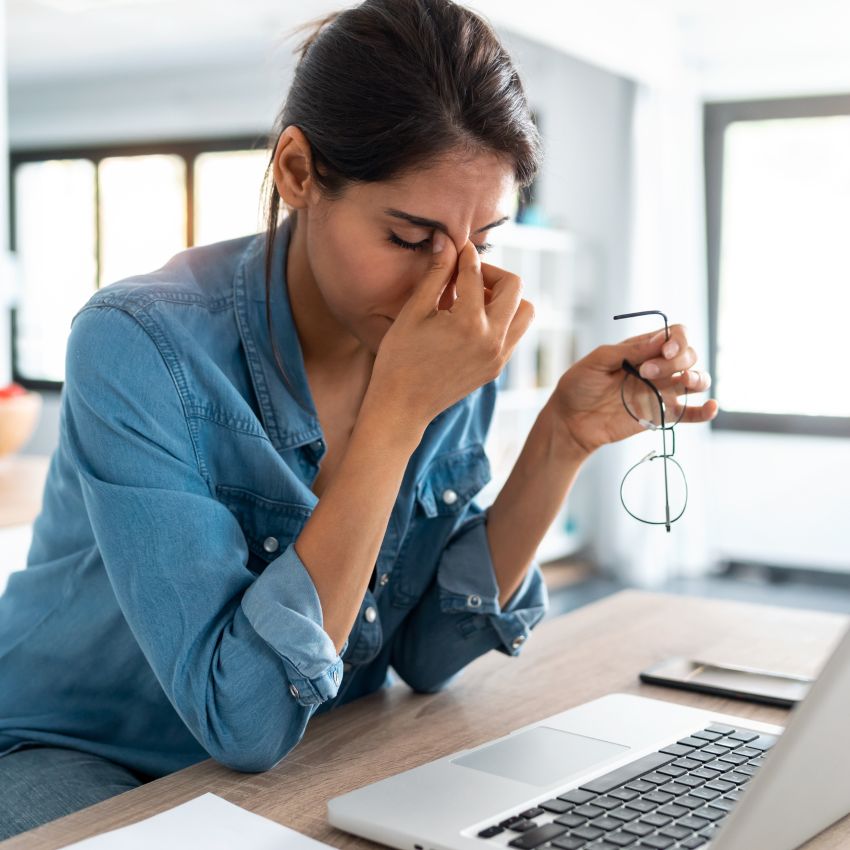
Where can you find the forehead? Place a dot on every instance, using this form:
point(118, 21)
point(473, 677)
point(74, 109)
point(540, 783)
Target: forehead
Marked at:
point(473, 190)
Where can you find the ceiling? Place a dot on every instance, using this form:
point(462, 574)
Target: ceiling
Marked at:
point(724, 45)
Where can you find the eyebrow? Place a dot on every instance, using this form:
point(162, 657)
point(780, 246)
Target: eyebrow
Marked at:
point(437, 225)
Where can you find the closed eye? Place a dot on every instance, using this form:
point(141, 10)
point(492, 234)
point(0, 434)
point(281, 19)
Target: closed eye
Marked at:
point(415, 246)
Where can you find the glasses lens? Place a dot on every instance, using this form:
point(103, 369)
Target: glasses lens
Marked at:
point(643, 404)
point(643, 490)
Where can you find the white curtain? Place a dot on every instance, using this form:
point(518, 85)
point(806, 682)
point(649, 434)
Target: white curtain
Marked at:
point(666, 271)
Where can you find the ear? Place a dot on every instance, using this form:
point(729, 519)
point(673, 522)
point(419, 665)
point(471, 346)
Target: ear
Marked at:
point(292, 168)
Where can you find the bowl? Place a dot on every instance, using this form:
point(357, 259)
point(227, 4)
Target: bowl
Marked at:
point(19, 415)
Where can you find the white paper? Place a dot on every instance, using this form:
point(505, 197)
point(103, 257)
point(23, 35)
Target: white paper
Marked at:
point(205, 823)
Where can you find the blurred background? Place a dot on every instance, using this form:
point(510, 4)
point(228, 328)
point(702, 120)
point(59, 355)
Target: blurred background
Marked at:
point(697, 161)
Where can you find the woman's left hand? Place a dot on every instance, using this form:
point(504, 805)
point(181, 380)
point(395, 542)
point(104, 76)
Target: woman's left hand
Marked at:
point(587, 399)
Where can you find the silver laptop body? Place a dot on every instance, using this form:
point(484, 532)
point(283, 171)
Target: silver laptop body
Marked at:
point(801, 786)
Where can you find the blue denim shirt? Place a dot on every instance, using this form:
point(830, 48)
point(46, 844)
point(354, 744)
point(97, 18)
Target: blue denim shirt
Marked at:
point(164, 615)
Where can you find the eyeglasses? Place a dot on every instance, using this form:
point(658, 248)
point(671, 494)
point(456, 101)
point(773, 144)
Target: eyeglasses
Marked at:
point(657, 410)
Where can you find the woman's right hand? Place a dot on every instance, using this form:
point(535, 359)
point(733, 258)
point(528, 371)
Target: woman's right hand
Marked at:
point(430, 358)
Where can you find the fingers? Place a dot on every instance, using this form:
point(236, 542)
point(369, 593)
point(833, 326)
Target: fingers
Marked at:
point(426, 297)
point(469, 284)
point(704, 413)
point(520, 323)
point(662, 367)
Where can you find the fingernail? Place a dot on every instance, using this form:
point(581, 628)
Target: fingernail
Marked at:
point(671, 349)
point(438, 242)
point(649, 370)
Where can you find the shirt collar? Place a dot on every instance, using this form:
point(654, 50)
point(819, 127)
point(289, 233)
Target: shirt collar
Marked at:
point(287, 407)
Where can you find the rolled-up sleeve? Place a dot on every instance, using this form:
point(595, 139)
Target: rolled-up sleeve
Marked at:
point(459, 617)
point(244, 660)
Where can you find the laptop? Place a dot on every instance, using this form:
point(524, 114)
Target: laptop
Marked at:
point(627, 771)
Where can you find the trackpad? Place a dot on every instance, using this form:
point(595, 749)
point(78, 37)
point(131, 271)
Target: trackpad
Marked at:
point(541, 756)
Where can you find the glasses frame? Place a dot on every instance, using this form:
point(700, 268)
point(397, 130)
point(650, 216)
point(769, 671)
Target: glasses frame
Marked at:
point(632, 371)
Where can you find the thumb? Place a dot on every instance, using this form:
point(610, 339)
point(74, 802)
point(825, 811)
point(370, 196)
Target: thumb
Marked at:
point(426, 296)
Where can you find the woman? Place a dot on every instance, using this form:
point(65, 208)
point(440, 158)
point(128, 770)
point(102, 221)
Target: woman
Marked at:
point(262, 497)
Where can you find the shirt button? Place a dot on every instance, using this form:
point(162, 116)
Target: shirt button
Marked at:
point(385, 577)
point(518, 641)
point(294, 691)
point(335, 676)
point(317, 445)
point(270, 544)
point(370, 614)
point(449, 496)
point(473, 601)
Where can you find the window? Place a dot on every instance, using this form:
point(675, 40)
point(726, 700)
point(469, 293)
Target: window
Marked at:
point(778, 193)
point(82, 219)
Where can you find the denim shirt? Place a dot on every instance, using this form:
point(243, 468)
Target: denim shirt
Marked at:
point(164, 615)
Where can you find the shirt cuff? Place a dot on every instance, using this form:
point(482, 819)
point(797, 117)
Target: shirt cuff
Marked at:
point(467, 585)
point(283, 607)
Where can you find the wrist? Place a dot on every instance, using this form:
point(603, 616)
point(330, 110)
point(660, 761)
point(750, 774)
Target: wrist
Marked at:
point(564, 444)
point(393, 422)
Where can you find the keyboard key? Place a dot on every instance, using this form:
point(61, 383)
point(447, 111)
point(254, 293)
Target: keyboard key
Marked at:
point(693, 843)
point(537, 836)
point(705, 793)
point(624, 814)
point(676, 750)
point(720, 785)
point(627, 773)
point(763, 742)
point(693, 822)
point(620, 839)
point(671, 770)
point(623, 794)
point(567, 843)
point(676, 832)
point(640, 785)
point(674, 788)
point(490, 831)
point(744, 735)
point(655, 819)
point(588, 811)
point(699, 755)
point(723, 803)
point(716, 750)
point(642, 806)
point(576, 796)
point(690, 802)
point(608, 803)
point(691, 741)
point(657, 797)
point(656, 778)
point(704, 773)
point(720, 727)
point(639, 829)
point(708, 736)
point(749, 752)
point(687, 763)
point(733, 758)
point(570, 819)
point(710, 813)
point(532, 813)
point(657, 841)
point(606, 823)
point(736, 777)
point(522, 825)
point(749, 769)
point(691, 781)
point(587, 831)
point(509, 822)
point(558, 807)
point(672, 810)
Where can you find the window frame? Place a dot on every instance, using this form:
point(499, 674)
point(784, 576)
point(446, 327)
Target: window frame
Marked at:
point(189, 150)
point(717, 116)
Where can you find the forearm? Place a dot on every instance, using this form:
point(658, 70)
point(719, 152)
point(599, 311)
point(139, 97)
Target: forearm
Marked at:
point(340, 542)
point(531, 499)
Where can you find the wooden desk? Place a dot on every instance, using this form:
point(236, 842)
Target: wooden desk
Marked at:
point(569, 660)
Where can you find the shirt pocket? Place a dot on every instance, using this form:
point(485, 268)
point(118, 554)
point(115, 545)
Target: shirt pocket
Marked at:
point(442, 493)
point(269, 525)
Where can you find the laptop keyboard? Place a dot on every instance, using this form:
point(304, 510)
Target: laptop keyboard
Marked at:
point(673, 798)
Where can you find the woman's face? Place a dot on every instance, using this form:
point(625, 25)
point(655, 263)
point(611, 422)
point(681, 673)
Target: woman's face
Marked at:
point(367, 256)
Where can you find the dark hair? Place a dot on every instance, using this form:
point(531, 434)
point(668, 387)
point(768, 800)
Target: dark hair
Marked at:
point(391, 85)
